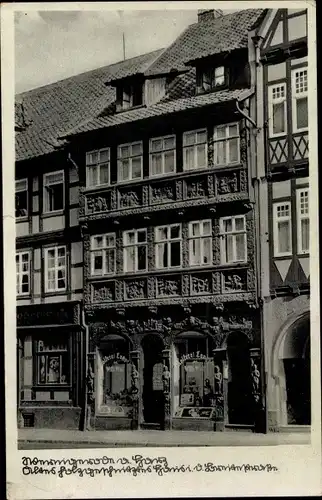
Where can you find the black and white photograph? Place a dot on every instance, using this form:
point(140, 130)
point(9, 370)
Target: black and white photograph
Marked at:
point(164, 227)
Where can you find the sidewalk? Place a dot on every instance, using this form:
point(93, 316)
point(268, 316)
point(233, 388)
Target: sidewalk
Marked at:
point(44, 438)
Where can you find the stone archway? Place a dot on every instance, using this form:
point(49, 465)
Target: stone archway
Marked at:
point(292, 368)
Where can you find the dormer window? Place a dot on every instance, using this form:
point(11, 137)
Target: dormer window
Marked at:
point(212, 78)
point(129, 96)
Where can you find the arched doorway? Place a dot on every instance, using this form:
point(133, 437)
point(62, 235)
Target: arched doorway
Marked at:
point(294, 356)
point(152, 394)
point(239, 387)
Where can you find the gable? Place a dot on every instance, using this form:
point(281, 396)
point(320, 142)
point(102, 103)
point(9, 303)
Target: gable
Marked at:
point(287, 26)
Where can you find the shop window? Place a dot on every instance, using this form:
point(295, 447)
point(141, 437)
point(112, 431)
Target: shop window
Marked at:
point(54, 191)
point(303, 220)
point(55, 269)
point(114, 376)
point(282, 229)
point(103, 254)
point(299, 99)
point(195, 149)
point(194, 371)
point(233, 239)
point(130, 161)
point(200, 243)
point(135, 250)
point(226, 144)
point(162, 155)
point(21, 198)
point(98, 167)
point(277, 109)
point(168, 246)
point(53, 362)
point(23, 273)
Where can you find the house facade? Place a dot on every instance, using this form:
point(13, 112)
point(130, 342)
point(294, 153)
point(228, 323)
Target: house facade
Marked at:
point(167, 217)
point(283, 184)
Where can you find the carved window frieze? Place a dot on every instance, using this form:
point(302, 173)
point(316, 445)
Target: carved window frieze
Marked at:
point(135, 290)
point(103, 293)
point(200, 284)
point(97, 204)
point(234, 282)
point(162, 193)
point(196, 189)
point(227, 184)
point(168, 286)
point(130, 198)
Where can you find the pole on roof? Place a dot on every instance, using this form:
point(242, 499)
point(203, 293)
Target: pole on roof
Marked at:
point(123, 36)
point(120, 13)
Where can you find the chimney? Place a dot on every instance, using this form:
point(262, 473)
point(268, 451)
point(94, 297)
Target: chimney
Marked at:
point(209, 14)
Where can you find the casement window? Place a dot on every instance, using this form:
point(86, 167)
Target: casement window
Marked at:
point(233, 239)
point(168, 246)
point(23, 273)
point(303, 220)
point(213, 77)
point(130, 161)
point(53, 361)
point(103, 254)
point(195, 149)
point(55, 269)
point(200, 248)
point(162, 155)
point(282, 229)
point(21, 198)
point(299, 99)
point(226, 144)
point(98, 167)
point(135, 250)
point(54, 191)
point(277, 109)
point(129, 96)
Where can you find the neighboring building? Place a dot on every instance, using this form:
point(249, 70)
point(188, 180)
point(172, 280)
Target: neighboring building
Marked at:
point(167, 217)
point(283, 170)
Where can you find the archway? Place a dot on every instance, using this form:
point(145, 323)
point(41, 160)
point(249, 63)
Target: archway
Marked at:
point(240, 395)
point(294, 357)
point(152, 394)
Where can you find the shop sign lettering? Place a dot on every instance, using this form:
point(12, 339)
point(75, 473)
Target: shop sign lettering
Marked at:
point(117, 357)
point(193, 355)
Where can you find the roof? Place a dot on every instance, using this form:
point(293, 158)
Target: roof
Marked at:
point(50, 111)
point(199, 40)
point(165, 106)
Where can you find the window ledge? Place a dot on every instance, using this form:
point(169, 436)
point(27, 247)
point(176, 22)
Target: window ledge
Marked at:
point(22, 297)
point(54, 213)
point(54, 293)
point(22, 218)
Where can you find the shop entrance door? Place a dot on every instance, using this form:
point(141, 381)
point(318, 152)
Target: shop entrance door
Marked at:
point(153, 404)
point(240, 397)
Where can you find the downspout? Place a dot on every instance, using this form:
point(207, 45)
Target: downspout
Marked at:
point(85, 372)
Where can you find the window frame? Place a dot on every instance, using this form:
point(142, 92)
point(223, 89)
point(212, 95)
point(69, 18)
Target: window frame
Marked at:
point(276, 220)
point(55, 353)
point(130, 158)
point(300, 217)
point(162, 152)
point(46, 193)
point(25, 180)
point(271, 102)
point(98, 165)
point(168, 242)
point(226, 140)
point(195, 144)
point(46, 251)
point(224, 75)
point(295, 97)
point(202, 237)
point(233, 232)
point(136, 246)
point(21, 273)
point(103, 251)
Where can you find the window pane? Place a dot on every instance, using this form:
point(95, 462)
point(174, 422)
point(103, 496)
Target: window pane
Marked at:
point(130, 238)
point(124, 152)
point(188, 138)
point(162, 255)
point(233, 150)
point(104, 155)
point(221, 152)
point(240, 247)
point(156, 164)
point(168, 162)
point(98, 242)
point(91, 158)
point(61, 252)
point(301, 113)
point(221, 132)
point(141, 258)
point(162, 233)
point(227, 223)
point(169, 143)
point(61, 284)
point(201, 155)
point(136, 167)
point(195, 251)
point(206, 250)
point(202, 136)
point(284, 244)
point(206, 228)
point(195, 229)
point(175, 232)
point(278, 118)
point(54, 178)
point(110, 240)
point(156, 145)
point(239, 223)
point(110, 261)
point(232, 130)
point(175, 254)
point(21, 204)
point(124, 170)
point(305, 234)
point(92, 175)
point(141, 236)
point(98, 262)
point(229, 248)
point(130, 259)
point(189, 158)
point(104, 173)
point(137, 149)
point(56, 194)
